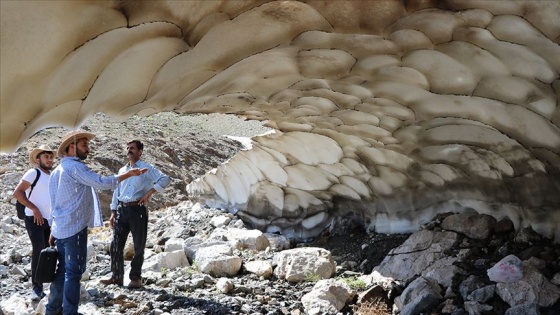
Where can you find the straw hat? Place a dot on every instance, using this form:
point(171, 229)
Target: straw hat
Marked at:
point(43, 148)
point(72, 137)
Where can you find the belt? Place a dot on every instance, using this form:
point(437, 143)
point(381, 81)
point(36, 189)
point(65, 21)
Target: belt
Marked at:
point(129, 204)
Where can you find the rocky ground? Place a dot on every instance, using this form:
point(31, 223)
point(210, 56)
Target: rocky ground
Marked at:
point(186, 147)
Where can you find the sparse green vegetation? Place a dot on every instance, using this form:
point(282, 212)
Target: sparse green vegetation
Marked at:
point(312, 277)
point(192, 269)
point(355, 283)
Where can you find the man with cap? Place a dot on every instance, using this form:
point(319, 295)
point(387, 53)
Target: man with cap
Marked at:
point(75, 207)
point(37, 207)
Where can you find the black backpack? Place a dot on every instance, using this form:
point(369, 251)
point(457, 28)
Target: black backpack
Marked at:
point(21, 208)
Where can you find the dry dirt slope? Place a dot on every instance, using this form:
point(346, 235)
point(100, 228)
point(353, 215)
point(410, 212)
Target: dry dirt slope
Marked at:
point(184, 147)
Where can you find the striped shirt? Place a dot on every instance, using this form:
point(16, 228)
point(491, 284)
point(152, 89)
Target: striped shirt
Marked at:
point(73, 199)
point(134, 188)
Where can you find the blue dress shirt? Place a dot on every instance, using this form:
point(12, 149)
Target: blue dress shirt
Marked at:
point(73, 201)
point(134, 188)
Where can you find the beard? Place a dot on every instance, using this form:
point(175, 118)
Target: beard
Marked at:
point(81, 154)
point(45, 167)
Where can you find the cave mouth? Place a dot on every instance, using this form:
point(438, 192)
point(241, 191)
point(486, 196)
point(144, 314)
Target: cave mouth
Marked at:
point(374, 102)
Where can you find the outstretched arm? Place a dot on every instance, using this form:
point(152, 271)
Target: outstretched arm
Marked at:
point(132, 172)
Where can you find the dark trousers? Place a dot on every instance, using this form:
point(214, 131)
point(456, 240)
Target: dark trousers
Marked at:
point(129, 220)
point(39, 236)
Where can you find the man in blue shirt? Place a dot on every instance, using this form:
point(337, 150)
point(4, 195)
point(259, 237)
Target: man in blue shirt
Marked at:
point(75, 207)
point(130, 215)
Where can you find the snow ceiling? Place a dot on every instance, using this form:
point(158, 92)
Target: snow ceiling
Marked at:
point(385, 111)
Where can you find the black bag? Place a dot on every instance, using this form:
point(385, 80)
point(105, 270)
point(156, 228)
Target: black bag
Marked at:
point(46, 267)
point(20, 208)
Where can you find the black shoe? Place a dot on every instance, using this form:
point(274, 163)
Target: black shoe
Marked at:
point(112, 280)
point(135, 283)
point(37, 296)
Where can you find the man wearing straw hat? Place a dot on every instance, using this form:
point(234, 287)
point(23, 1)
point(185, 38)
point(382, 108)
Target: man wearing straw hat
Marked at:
point(75, 207)
point(37, 204)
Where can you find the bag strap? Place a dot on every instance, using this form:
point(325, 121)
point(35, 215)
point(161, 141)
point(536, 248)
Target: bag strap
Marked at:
point(35, 181)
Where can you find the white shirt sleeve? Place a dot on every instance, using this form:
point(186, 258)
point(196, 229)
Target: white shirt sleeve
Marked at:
point(29, 177)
